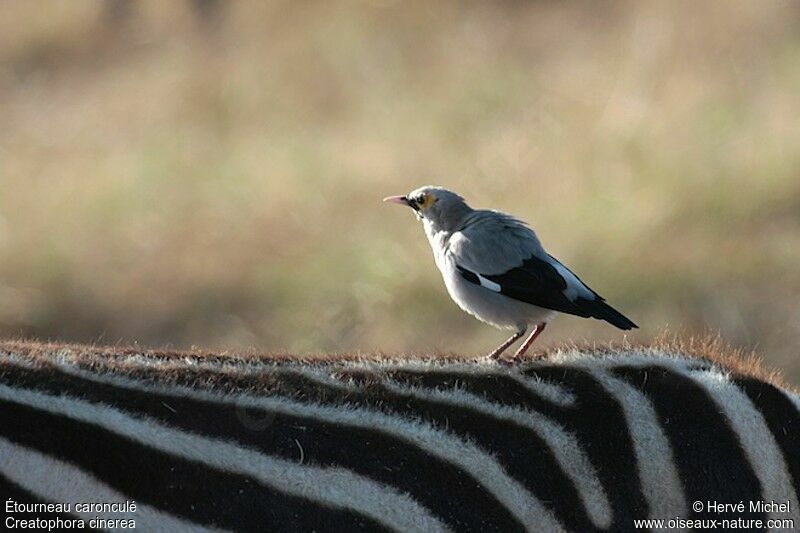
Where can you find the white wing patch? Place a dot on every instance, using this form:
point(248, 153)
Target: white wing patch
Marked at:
point(574, 286)
point(491, 285)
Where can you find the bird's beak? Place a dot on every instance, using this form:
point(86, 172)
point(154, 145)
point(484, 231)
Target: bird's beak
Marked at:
point(402, 200)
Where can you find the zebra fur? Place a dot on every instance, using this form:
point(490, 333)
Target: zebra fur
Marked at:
point(583, 441)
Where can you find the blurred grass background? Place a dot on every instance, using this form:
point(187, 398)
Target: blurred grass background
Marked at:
point(210, 173)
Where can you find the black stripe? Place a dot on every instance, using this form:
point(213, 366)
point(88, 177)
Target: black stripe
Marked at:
point(182, 487)
point(11, 491)
point(372, 453)
point(709, 456)
point(524, 455)
point(496, 387)
point(468, 275)
point(595, 418)
point(782, 418)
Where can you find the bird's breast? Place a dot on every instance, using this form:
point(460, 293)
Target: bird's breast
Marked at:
point(438, 241)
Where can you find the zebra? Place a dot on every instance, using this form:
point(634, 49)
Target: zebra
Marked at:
point(584, 440)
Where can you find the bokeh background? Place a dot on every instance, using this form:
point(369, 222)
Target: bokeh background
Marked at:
point(201, 173)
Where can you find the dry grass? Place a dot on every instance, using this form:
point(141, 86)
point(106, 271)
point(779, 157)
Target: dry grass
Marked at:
point(173, 184)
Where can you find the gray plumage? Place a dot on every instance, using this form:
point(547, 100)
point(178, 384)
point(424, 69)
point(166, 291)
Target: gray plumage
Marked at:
point(496, 269)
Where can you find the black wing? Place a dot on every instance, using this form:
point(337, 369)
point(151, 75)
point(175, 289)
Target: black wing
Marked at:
point(538, 282)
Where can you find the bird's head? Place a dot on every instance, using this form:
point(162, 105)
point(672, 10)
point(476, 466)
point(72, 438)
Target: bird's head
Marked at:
point(441, 208)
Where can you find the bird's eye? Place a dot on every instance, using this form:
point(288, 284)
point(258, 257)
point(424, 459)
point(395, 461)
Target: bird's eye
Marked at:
point(420, 200)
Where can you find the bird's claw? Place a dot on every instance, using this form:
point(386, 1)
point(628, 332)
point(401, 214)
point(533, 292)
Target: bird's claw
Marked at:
point(498, 359)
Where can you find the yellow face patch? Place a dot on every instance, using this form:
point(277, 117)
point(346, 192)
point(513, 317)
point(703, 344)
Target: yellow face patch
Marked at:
point(427, 201)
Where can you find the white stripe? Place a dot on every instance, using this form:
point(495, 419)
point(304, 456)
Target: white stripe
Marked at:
point(491, 285)
point(633, 357)
point(322, 372)
point(466, 456)
point(334, 487)
point(747, 422)
point(55, 481)
point(763, 453)
point(794, 398)
point(552, 392)
point(655, 460)
point(565, 447)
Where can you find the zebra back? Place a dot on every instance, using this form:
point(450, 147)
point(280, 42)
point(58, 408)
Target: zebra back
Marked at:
point(581, 441)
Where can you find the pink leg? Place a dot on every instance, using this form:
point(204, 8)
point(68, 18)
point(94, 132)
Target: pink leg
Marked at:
point(527, 344)
point(511, 340)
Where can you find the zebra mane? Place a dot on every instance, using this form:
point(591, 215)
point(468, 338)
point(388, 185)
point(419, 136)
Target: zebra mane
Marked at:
point(222, 369)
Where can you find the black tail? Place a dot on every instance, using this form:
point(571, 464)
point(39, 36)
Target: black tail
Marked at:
point(600, 309)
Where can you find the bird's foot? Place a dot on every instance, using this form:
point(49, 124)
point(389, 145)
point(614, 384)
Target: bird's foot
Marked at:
point(496, 359)
point(496, 354)
point(513, 360)
point(533, 356)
